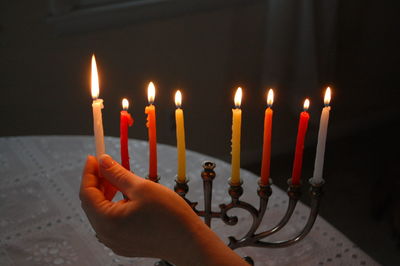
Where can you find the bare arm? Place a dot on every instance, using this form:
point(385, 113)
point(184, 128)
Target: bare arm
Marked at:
point(153, 222)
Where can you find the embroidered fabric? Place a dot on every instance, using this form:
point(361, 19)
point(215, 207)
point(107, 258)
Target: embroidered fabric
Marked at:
point(41, 221)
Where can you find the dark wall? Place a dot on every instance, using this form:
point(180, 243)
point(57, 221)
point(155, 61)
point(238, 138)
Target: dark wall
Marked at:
point(45, 72)
point(367, 71)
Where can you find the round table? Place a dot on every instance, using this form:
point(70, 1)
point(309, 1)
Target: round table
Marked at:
point(42, 222)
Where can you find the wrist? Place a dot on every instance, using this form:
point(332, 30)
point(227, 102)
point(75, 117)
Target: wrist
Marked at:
point(201, 246)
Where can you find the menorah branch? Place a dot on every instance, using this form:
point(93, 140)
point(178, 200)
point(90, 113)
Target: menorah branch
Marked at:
point(294, 194)
point(316, 194)
point(264, 192)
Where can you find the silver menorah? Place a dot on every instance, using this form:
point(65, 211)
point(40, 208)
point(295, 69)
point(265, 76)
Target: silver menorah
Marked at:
point(251, 238)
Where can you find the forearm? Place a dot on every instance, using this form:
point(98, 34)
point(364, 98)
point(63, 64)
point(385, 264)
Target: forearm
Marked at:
point(153, 222)
point(203, 247)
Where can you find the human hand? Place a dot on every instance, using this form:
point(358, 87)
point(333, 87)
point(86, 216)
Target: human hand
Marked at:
point(152, 222)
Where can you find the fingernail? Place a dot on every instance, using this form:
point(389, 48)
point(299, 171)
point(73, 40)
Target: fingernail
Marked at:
point(106, 161)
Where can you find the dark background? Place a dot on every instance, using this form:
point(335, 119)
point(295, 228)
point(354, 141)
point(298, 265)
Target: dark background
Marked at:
point(207, 49)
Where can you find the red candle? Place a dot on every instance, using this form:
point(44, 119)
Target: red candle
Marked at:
point(266, 157)
point(125, 121)
point(151, 125)
point(301, 134)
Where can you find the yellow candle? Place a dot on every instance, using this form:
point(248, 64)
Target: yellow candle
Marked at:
point(97, 105)
point(180, 138)
point(236, 128)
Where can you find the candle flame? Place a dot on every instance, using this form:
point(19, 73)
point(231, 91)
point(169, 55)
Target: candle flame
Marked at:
point(178, 99)
point(151, 92)
point(125, 104)
point(327, 98)
point(238, 97)
point(270, 97)
point(95, 79)
point(306, 104)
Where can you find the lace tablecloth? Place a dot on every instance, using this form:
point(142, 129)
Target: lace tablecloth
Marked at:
point(41, 222)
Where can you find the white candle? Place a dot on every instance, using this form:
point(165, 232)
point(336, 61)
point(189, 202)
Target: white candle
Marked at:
point(97, 105)
point(323, 130)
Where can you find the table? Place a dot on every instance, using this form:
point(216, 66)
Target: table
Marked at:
point(42, 223)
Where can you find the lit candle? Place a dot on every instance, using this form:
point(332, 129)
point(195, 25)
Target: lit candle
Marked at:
point(236, 128)
point(323, 130)
point(180, 138)
point(266, 157)
point(97, 105)
point(125, 121)
point(150, 110)
point(301, 134)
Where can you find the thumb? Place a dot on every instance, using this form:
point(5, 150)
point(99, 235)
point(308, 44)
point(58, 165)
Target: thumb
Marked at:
point(117, 175)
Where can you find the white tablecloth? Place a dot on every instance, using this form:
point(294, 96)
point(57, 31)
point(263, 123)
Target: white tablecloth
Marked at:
point(41, 222)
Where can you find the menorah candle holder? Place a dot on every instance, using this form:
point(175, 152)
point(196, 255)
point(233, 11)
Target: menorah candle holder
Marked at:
point(154, 179)
point(251, 238)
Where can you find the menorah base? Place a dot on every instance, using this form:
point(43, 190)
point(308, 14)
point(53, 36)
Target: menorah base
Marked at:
point(251, 238)
point(248, 259)
point(163, 263)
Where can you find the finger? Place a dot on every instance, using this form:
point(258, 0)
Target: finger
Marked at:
point(109, 190)
point(117, 175)
point(90, 173)
point(90, 194)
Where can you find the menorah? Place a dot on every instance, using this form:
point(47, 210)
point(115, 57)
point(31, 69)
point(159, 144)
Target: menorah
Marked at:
point(251, 238)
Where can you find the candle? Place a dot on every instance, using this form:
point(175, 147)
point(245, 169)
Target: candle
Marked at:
point(150, 110)
point(180, 138)
point(301, 134)
point(125, 121)
point(266, 157)
point(236, 128)
point(97, 105)
point(323, 130)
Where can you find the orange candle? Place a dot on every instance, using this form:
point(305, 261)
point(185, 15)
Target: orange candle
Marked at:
point(266, 157)
point(301, 134)
point(150, 110)
point(125, 121)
